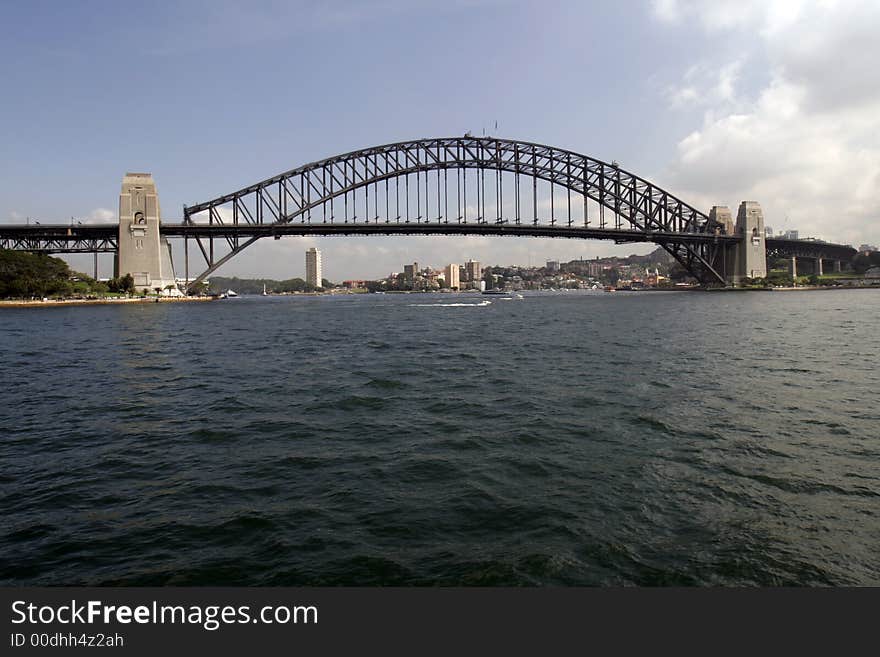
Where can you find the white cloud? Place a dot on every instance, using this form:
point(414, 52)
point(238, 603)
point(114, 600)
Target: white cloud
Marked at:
point(703, 85)
point(806, 143)
point(715, 16)
point(100, 216)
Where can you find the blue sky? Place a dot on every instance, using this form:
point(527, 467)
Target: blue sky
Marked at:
point(716, 101)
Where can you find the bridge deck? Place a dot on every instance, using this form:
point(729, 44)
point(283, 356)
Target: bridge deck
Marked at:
point(436, 228)
point(62, 232)
point(86, 238)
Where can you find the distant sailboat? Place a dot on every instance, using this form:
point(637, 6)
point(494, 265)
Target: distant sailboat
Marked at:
point(265, 294)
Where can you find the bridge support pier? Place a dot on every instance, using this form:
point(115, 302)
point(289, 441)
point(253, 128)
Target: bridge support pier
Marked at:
point(838, 266)
point(819, 267)
point(726, 263)
point(143, 252)
point(793, 267)
point(749, 257)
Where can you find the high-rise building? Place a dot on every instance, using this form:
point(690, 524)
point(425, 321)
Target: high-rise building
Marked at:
point(451, 276)
point(410, 272)
point(472, 267)
point(552, 265)
point(314, 275)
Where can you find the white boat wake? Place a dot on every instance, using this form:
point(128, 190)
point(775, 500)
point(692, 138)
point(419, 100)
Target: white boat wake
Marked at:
point(450, 305)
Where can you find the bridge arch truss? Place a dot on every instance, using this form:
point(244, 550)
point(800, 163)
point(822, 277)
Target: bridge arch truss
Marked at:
point(456, 185)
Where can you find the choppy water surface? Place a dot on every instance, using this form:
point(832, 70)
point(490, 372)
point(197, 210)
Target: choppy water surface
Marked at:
point(653, 438)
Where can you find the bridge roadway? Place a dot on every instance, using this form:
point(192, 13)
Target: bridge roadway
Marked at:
point(60, 238)
point(90, 238)
point(436, 228)
point(102, 238)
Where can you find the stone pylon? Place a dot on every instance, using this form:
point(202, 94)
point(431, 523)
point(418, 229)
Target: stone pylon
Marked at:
point(720, 216)
point(748, 259)
point(143, 252)
point(752, 260)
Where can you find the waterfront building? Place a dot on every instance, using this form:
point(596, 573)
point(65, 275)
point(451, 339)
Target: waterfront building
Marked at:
point(474, 273)
point(451, 276)
point(314, 274)
point(410, 272)
point(431, 279)
point(552, 265)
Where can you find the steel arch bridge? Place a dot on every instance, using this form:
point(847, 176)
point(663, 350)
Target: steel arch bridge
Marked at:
point(439, 186)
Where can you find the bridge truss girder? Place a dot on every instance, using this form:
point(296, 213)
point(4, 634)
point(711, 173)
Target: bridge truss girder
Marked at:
point(785, 248)
point(60, 244)
point(363, 179)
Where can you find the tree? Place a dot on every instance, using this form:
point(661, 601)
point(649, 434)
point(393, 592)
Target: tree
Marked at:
point(779, 278)
point(25, 274)
point(127, 283)
point(122, 284)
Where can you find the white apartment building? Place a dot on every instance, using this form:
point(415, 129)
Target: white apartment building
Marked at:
point(314, 274)
point(451, 276)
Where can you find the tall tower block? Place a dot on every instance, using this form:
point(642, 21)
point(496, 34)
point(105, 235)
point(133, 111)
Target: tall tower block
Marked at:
point(314, 272)
point(142, 252)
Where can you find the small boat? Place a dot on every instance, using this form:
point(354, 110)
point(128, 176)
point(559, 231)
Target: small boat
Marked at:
point(494, 292)
point(265, 294)
point(231, 294)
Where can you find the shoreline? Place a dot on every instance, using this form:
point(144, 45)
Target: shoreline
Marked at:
point(799, 288)
point(60, 303)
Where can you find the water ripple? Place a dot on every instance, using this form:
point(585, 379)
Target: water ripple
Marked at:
point(578, 439)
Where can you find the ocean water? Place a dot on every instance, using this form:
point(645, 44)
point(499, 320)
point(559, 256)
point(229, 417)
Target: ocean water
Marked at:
point(679, 438)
